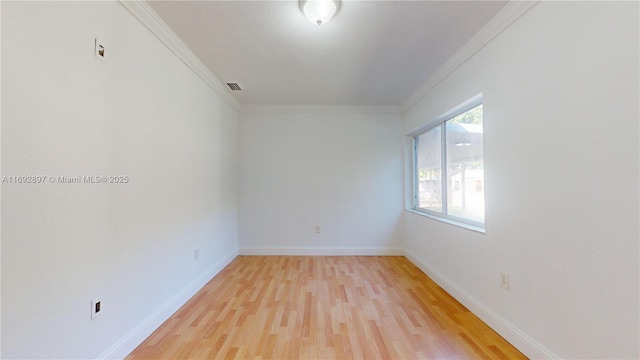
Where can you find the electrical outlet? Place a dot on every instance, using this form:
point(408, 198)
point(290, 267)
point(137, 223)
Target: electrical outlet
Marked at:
point(96, 308)
point(99, 50)
point(317, 229)
point(504, 280)
point(196, 254)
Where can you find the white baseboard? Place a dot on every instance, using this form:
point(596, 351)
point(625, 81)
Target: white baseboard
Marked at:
point(138, 334)
point(512, 334)
point(320, 251)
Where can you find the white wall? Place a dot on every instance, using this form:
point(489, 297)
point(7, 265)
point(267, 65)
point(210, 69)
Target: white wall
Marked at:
point(143, 114)
point(340, 170)
point(560, 91)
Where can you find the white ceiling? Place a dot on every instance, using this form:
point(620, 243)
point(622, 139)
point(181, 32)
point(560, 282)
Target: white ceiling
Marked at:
point(370, 53)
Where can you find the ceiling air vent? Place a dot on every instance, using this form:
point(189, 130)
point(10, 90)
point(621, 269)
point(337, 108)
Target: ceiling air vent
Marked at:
point(234, 86)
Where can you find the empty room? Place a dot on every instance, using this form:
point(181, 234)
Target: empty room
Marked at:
point(320, 179)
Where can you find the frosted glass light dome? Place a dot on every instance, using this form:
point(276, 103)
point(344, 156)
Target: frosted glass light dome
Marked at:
point(319, 11)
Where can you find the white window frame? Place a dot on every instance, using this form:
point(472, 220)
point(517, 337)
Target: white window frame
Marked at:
point(440, 122)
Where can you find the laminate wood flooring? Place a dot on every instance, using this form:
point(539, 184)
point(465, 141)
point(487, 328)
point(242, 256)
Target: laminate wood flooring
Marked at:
point(323, 307)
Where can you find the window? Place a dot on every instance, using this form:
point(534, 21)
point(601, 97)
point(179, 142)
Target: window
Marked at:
point(449, 166)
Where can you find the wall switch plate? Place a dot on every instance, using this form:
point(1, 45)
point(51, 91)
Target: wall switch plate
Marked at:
point(196, 254)
point(99, 50)
point(317, 229)
point(504, 280)
point(96, 308)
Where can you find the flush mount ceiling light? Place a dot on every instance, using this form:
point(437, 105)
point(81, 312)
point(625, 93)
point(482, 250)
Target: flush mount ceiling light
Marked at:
point(319, 11)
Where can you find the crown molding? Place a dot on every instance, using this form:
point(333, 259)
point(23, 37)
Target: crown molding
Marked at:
point(145, 14)
point(507, 16)
point(318, 109)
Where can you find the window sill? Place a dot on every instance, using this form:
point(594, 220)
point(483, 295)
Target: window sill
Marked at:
point(479, 229)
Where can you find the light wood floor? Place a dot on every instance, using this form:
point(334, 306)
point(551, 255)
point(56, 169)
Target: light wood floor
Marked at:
point(295, 307)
